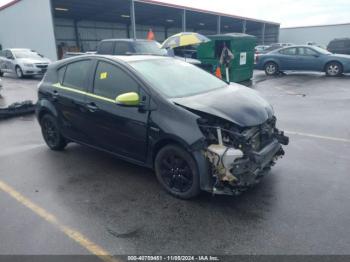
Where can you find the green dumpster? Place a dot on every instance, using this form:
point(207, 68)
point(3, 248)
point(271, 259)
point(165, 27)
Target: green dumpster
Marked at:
point(242, 47)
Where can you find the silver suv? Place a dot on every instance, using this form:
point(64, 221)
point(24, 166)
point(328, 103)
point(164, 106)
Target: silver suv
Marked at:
point(22, 62)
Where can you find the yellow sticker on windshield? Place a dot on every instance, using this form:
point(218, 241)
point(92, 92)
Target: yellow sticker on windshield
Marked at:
point(103, 75)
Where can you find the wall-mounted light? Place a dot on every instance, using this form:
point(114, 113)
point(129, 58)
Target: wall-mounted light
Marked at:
point(125, 16)
point(61, 9)
point(202, 24)
point(170, 20)
point(226, 26)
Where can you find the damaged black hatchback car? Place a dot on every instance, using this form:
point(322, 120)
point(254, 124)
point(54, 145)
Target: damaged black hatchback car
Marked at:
point(196, 131)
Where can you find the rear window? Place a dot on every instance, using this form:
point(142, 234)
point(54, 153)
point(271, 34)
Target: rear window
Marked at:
point(76, 75)
point(106, 48)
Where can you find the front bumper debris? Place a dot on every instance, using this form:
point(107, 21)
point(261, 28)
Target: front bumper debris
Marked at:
point(235, 169)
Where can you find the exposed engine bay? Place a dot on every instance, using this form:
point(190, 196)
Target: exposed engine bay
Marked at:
point(239, 157)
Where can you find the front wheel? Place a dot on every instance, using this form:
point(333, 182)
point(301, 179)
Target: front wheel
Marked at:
point(19, 72)
point(51, 133)
point(271, 68)
point(177, 171)
point(334, 69)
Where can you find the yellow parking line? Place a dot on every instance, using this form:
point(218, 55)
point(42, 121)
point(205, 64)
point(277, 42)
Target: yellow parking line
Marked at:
point(71, 233)
point(338, 139)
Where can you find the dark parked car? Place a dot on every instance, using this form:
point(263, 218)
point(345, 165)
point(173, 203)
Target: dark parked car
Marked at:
point(196, 131)
point(303, 58)
point(130, 47)
point(339, 46)
point(138, 47)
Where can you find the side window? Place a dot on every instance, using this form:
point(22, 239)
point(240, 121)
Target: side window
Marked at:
point(289, 51)
point(307, 51)
point(8, 54)
point(76, 74)
point(60, 74)
point(106, 48)
point(122, 48)
point(110, 81)
point(337, 44)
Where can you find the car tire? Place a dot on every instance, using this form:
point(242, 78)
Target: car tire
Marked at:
point(334, 69)
point(51, 133)
point(19, 72)
point(177, 172)
point(1, 73)
point(271, 68)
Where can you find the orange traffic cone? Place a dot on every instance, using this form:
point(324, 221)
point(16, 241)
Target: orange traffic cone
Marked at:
point(218, 72)
point(150, 35)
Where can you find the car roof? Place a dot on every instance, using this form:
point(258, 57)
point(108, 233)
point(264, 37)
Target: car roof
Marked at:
point(133, 58)
point(118, 58)
point(20, 49)
point(341, 39)
point(126, 40)
point(291, 46)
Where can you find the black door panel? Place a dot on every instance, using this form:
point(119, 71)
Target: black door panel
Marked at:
point(122, 130)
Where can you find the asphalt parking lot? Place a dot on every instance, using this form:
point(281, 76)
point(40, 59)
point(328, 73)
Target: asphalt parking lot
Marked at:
point(301, 207)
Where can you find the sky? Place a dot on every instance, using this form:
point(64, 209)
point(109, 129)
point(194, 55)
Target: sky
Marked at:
point(289, 13)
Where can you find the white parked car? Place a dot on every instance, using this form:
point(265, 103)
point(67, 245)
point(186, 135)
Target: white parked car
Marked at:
point(22, 62)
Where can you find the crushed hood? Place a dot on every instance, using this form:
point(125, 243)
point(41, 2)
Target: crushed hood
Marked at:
point(235, 103)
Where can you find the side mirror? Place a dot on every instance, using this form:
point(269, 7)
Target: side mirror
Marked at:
point(131, 99)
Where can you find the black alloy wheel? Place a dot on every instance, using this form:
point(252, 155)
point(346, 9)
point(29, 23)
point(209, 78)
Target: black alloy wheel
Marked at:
point(51, 133)
point(177, 171)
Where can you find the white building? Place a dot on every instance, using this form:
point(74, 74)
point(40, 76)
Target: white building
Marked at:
point(49, 26)
point(322, 34)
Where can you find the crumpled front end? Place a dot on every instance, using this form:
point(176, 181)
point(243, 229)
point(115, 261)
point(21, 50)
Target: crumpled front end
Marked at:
point(239, 157)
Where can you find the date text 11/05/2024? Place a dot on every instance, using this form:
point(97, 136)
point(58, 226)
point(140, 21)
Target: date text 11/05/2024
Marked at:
point(173, 258)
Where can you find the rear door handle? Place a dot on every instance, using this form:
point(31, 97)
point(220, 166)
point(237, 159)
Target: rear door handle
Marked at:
point(55, 95)
point(92, 107)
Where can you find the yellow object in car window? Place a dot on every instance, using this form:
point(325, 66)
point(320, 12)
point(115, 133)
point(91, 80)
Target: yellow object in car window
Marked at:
point(103, 75)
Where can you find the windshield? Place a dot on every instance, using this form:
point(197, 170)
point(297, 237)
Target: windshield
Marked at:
point(175, 78)
point(321, 50)
point(149, 47)
point(26, 54)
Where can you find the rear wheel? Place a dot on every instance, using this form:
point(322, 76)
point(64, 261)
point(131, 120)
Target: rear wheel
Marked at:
point(1, 73)
point(177, 171)
point(51, 133)
point(19, 72)
point(334, 69)
point(271, 68)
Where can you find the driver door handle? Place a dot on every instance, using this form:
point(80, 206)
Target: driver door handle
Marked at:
point(92, 107)
point(55, 95)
